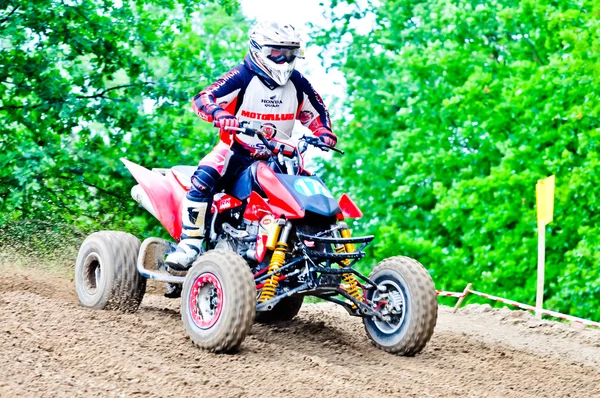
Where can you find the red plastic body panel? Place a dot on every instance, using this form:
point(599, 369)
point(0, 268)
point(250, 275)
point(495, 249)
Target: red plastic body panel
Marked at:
point(165, 194)
point(349, 208)
point(280, 200)
point(227, 202)
point(257, 208)
point(261, 247)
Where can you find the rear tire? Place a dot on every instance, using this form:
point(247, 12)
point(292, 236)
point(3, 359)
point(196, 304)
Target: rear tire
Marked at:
point(285, 310)
point(106, 275)
point(218, 303)
point(408, 333)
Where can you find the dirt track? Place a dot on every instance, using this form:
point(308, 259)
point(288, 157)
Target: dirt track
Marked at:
point(52, 347)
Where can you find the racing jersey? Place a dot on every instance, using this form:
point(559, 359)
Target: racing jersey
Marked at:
point(244, 95)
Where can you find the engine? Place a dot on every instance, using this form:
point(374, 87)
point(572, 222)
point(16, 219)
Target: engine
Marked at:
point(239, 235)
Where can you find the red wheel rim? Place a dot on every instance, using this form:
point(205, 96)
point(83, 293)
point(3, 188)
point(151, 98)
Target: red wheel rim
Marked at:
point(206, 300)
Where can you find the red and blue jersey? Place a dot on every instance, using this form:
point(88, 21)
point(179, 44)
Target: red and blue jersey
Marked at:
point(246, 95)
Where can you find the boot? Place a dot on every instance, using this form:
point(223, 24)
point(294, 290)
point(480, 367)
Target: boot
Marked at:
point(193, 214)
point(187, 251)
point(173, 290)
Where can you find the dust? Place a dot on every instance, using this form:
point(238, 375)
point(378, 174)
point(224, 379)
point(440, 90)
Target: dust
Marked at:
point(43, 245)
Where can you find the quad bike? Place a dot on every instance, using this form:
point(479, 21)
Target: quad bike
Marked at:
point(276, 236)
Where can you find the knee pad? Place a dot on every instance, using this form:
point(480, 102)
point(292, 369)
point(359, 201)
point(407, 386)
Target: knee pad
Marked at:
point(204, 181)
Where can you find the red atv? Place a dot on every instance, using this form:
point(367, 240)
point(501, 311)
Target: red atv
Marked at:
point(275, 237)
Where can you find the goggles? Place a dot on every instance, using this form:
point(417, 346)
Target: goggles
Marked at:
point(280, 55)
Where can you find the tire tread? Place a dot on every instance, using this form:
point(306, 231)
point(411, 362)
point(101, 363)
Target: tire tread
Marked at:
point(238, 277)
point(425, 304)
point(126, 287)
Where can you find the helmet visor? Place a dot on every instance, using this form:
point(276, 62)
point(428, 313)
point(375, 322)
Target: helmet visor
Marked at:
point(279, 55)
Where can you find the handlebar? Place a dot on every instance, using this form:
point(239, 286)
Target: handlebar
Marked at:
point(249, 132)
point(244, 130)
point(314, 141)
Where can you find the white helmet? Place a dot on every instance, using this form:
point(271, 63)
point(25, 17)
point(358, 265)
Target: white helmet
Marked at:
point(273, 48)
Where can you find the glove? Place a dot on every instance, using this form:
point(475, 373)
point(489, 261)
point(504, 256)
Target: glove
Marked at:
point(326, 136)
point(225, 119)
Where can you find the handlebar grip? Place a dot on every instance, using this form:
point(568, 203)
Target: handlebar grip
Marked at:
point(217, 124)
point(233, 130)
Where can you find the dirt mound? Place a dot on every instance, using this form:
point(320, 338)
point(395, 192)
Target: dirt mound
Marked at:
point(53, 347)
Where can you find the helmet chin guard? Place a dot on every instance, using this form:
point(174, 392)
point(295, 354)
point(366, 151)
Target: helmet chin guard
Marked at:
point(273, 48)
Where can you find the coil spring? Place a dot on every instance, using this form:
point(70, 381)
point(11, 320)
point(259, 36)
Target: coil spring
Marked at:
point(349, 279)
point(277, 261)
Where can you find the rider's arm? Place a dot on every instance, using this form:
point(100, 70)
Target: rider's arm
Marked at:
point(219, 99)
point(311, 109)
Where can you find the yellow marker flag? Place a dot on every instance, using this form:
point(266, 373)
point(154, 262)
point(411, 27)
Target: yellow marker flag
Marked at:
point(544, 193)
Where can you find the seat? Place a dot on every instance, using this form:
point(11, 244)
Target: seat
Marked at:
point(184, 174)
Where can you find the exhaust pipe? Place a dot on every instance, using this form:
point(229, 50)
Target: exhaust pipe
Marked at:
point(139, 195)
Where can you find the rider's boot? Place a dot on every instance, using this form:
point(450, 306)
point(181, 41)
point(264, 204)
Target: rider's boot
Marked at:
point(173, 290)
point(193, 214)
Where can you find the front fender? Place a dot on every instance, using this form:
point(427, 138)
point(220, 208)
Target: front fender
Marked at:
point(349, 208)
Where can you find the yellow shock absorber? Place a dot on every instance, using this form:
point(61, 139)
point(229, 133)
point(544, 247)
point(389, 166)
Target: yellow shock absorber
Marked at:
point(277, 261)
point(349, 246)
point(349, 279)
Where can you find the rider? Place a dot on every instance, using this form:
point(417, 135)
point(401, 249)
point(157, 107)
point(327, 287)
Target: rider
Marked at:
point(264, 89)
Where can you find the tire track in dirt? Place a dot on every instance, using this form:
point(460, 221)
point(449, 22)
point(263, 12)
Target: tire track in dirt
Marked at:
point(52, 347)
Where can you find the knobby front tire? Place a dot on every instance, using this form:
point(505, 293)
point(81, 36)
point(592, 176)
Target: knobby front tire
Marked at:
point(218, 302)
point(408, 334)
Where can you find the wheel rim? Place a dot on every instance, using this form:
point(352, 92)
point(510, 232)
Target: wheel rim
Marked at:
point(395, 307)
point(206, 300)
point(92, 272)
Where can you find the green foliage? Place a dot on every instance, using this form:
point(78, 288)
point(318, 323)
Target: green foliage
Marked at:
point(458, 107)
point(83, 83)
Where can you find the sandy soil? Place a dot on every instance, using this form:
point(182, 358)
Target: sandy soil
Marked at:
point(52, 347)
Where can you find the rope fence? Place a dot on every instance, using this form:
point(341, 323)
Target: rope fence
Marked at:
point(554, 314)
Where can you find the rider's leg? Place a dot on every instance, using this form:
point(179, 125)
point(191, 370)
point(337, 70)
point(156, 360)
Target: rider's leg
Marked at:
point(193, 213)
point(194, 210)
point(196, 205)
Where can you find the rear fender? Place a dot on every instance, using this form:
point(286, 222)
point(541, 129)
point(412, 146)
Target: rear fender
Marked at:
point(165, 195)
